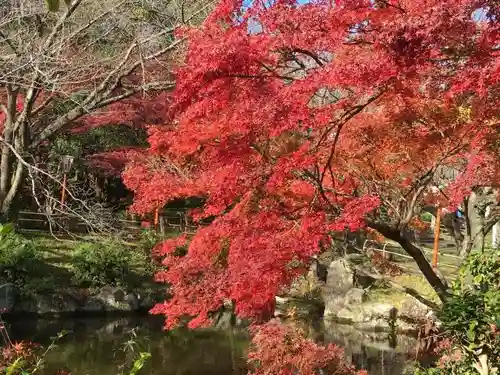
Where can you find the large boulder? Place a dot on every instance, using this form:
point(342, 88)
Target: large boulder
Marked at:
point(334, 302)
point(117, 299)
point(355, 296)
point(340, 278)
point(413, 310)
point(367, 316)
point(343, 286)
point(49, 304)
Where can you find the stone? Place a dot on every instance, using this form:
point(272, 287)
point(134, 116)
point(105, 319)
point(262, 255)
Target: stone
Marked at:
point(340, 278)
point(133, 301)
point(115, 299)
point(366, 316)
point(380, 310)
point(8, 292)
point(346, 315)
point(146, 303)
point(225, 319)
point(333, 304)
point(355, 296)
point(339, 281)
point(374, 325)
point(309, 285)
point(281, 300)
point(92, 305)
point(403, 326)
point(53, 304)
point(413, 310)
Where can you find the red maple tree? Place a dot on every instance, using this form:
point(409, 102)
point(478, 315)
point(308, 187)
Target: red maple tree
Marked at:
point(298, 120)
point(279, 349)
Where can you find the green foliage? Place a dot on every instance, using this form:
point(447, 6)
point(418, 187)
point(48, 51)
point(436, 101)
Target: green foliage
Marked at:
point(426, 216)
point(110, 263)
point(100, 139)
point(18, 256)
point(473, 313)
point(139, 363)
point(148, 239)
point(99, 264)
point(471, 319)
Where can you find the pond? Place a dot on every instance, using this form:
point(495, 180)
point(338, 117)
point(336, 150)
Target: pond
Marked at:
point(101, 346)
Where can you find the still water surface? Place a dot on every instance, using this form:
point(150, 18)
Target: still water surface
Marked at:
point(102, 346)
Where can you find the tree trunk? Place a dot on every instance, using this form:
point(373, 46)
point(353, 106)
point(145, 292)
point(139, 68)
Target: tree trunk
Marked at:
point(417, 255)
point(495, 233)
point(12, 168)
point(475, 207)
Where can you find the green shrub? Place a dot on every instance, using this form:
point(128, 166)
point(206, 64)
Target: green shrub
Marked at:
point(99, 264)
point(18, 256)
point(471, 320)
point(148, 239)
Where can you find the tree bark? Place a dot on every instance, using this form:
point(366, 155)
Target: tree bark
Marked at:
point(476, 207)
point(495, 233)
point(425, 267)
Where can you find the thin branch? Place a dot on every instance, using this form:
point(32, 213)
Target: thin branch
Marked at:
point(9, 43)
point(91, 22)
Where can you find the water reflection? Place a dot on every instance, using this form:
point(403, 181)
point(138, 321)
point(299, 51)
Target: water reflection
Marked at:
point(377, 352)
point(96, 346)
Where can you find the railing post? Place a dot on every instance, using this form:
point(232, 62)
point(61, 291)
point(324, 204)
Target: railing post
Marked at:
point(435, 253)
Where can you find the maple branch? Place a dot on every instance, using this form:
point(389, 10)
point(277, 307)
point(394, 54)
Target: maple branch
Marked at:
point(343, 120)
point(416, 253)
point(422, 182)
point(411, 209)
point(80, 111)
point(42, 106)
point(310, 54)
point(387, 3)
point(314, 177)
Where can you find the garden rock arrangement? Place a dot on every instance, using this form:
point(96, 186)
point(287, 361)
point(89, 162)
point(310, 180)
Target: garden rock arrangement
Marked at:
point(346, 301)
point(74, 301)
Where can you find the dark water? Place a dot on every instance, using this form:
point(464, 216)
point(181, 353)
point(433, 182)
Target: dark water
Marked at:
point(109, 346)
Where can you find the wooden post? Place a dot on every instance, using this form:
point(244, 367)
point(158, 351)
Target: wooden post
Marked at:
point(63, 192)
point(437, 229)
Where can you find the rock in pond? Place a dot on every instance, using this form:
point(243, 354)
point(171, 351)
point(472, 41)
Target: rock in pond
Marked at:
point(366, 316)
point(74, 301)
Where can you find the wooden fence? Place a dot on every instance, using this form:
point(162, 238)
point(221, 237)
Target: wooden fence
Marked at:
point(168, 221)
point(447, 263)
point(176, 221)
